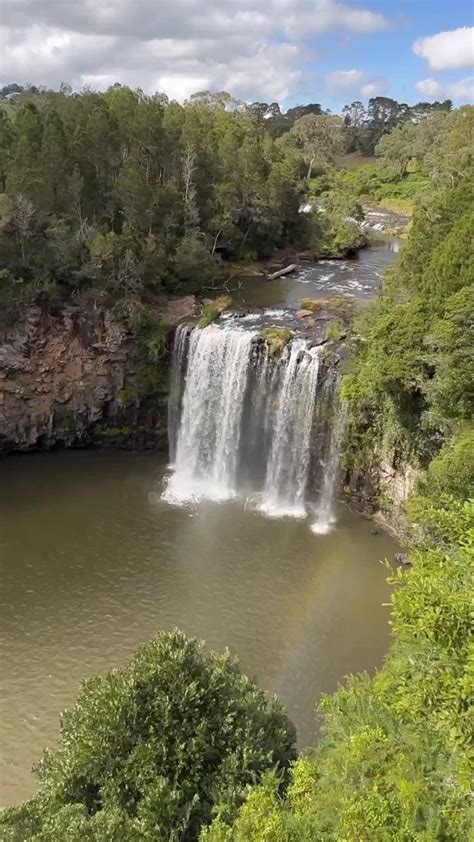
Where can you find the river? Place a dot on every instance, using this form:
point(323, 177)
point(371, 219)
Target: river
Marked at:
point(94, 561)
point(360, 277)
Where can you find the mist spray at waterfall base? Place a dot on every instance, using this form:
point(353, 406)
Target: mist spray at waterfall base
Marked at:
point(241, 422)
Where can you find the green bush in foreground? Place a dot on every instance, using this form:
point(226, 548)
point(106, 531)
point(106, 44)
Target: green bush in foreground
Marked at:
point(150, 748)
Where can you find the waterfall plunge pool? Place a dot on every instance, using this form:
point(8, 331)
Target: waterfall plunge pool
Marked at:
point(93, 565)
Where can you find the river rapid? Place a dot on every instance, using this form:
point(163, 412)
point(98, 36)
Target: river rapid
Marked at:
point(95, 560)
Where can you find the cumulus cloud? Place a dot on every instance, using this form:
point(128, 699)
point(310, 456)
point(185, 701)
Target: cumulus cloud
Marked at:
point(461, 91)
point(345, 78)
point(448, 50)
point(253, 48)
point(376, 88)
point(355, 82)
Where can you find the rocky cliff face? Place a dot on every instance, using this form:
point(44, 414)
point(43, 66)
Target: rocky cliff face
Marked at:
point(80, 378)
point(382, 490)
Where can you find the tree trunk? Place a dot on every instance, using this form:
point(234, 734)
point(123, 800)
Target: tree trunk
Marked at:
point(216, 240)
point(285, 271)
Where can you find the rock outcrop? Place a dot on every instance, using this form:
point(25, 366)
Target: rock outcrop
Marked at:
point(81, 378)
point(382, 490)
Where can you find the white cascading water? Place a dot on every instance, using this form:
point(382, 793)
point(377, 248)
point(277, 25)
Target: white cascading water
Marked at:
point(241, 420)
point(287, 470)
point(325, 511)
point(178, 370)
point(207, 445)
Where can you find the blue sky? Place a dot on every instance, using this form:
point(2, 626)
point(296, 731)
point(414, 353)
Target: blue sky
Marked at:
point(387, 55)
point(290, 51)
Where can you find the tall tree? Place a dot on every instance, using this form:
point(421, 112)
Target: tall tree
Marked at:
point(319, 139)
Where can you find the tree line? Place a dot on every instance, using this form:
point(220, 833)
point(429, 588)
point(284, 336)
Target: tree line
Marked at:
point(120, 194)
point(366, 123)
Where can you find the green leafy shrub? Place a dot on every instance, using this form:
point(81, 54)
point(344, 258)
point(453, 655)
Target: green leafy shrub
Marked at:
point(150, 748)
point(335, 331)
point(452, 471)
point(213, 309)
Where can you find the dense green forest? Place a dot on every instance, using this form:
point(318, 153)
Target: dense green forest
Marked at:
point(119, 196)
point(394, 759)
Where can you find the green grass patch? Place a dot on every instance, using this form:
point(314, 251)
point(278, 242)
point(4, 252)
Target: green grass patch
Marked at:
point(212, 310)
point(313, 304)
point(209, 314)
point(337, 302)
point(335, 331)
point(277, 339)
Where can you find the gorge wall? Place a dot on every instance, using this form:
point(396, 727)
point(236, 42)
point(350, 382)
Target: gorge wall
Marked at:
point(82, 378)
point(79, 378)
point(382, 490)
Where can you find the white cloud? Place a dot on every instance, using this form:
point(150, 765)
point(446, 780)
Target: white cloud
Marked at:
point(180, 87)
point(448, 50)
point(318, 16)
point(345, 78)
point(376, 88)
point(356, 82)
point(253, 48)
point(461, 91)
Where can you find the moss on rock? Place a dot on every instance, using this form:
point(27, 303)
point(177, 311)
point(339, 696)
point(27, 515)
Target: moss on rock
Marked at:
point(212, 310)
point(277, 339)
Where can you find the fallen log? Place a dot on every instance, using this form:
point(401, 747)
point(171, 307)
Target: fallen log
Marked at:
point(285, 271)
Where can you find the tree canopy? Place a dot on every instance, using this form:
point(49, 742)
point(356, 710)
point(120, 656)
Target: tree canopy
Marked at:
point(151, 748)
point(112, 194)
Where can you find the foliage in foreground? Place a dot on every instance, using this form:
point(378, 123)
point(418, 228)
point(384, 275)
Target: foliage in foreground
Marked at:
point(395, 761)
point(150, 748)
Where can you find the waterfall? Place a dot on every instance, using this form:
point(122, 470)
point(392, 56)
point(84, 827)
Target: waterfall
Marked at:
point(242, 421)
point(287, 472)
point(176, 387)
point(209, 430)
point(325, 511)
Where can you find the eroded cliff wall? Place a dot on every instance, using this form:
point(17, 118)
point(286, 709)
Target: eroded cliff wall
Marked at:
point(79, 378)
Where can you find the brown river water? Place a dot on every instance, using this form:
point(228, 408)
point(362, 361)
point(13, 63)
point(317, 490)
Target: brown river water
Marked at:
point(93, 563)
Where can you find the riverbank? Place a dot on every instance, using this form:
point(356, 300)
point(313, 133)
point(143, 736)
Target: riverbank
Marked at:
point(78, 375)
